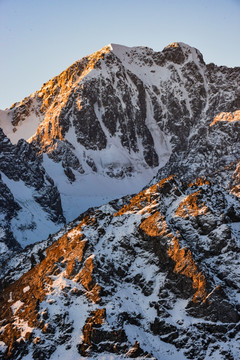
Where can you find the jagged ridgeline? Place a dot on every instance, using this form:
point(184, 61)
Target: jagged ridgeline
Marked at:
point(155, 275)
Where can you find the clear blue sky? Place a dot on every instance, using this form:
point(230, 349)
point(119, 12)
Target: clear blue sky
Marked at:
point(40, 38)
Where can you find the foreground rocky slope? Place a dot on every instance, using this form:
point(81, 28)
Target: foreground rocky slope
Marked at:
point(115, 118)
point(155, 275)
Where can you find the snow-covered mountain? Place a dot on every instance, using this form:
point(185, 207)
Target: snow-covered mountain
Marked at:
point(154, 275)
point(103, 127)
point(150, 276)
point(106, 125)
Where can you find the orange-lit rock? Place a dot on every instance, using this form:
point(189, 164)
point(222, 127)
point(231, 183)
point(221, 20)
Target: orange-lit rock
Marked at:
point(87, 280)
point(66, 252)
point(97, 318)
point(147, 197)
point(155, 225)
point(235, 189)
point(185, 265)
point(199, 182)
point(191, 206)
point(226, 117)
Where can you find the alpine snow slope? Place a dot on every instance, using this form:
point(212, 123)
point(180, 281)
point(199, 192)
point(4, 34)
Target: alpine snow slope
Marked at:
point(103, 128)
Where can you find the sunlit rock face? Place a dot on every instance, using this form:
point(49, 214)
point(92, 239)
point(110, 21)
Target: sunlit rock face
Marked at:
point(106, 127)
point(146, 276)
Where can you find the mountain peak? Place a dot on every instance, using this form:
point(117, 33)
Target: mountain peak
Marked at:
point(176, 44)
point(184, 51)
point(118, 115)
point(151, 275)
point(177, 52)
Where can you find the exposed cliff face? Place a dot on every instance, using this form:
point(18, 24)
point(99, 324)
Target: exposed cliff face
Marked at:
point(30, 204)
point(147, 276)
point(120, 114)
point(212, 152)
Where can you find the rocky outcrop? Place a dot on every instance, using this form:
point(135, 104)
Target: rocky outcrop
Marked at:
point(23, 180)
point(154, 266)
